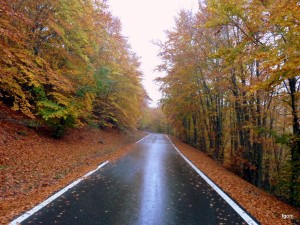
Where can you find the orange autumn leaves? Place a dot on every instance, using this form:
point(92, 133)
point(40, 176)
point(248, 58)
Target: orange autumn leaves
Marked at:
point(52, 54)
point(232, 88)
point(265, 208)
point(33, 166)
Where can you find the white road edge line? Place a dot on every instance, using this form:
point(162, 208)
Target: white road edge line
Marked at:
point(236, 207)
point(142, 138)
point(56, 195)
point(53, 197)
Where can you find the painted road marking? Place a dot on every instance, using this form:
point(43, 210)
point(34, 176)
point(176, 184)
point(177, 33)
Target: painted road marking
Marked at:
point(29, 213)
point(53, 197)
point(142, 138)
point(232, 203)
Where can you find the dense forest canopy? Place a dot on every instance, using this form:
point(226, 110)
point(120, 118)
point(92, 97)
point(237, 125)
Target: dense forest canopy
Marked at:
point(232, 87)
point(66, 63)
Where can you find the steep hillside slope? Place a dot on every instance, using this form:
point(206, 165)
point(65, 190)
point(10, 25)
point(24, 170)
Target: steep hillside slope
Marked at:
point(33, 165)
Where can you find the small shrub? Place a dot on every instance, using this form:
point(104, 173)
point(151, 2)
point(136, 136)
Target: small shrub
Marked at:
point(57, 117)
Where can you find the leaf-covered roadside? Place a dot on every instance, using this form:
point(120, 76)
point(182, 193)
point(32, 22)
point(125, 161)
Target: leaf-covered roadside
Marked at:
point(264, 207)
point(33, 166)
point(232, 88)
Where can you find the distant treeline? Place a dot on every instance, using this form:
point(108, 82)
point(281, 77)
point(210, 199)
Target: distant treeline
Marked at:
point(153, 120)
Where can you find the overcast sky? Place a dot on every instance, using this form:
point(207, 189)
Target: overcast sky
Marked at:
point(145, 21)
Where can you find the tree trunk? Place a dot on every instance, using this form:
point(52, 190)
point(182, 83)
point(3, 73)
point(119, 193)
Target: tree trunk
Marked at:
point(295, 148)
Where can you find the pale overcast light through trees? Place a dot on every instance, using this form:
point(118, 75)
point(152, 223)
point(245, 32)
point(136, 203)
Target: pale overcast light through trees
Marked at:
point(143, 22)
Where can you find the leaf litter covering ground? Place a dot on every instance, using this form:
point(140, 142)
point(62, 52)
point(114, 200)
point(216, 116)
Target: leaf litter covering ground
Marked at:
point(264, 207)
point(33, 167)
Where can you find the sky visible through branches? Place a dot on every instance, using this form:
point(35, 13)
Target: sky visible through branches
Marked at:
point(144, 22)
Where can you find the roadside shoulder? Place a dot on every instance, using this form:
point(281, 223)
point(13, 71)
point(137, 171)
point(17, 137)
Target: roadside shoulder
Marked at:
point(265, 207)
point(45, 165)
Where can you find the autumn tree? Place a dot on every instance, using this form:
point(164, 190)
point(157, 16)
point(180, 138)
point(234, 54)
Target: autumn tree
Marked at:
point(153, 120)
point(56, 52)
point(232, 85)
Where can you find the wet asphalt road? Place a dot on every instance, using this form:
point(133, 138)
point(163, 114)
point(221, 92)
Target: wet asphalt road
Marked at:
point(151, 185)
